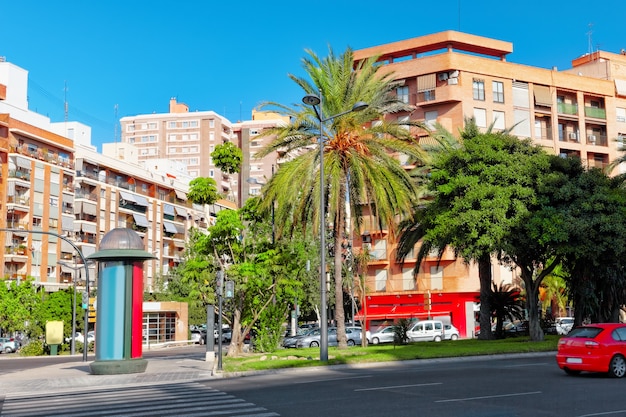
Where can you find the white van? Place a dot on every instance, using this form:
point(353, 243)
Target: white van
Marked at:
point(426, 330)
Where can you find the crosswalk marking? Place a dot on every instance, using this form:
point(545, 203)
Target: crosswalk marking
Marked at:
point(187, 399)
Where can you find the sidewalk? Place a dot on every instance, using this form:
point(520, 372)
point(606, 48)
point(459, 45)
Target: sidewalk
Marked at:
point(66, 376)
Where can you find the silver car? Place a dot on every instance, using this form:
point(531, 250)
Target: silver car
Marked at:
point(384, 335)
point(312, 339)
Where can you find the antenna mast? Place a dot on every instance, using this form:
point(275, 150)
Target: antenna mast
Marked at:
point(589, 33)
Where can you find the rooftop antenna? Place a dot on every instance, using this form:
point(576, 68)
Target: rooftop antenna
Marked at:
point(115, 133)
point(65, 105)
point(589, 33)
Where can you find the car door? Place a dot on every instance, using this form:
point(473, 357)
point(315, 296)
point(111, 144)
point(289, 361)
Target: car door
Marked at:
point(332, 336)
point(417, 333)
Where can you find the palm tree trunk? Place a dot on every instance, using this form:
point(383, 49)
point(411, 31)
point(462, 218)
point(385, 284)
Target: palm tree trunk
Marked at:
point(485, 278)
point(338, 231)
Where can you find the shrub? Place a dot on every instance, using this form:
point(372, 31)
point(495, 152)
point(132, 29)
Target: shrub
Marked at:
point(34, 347)
point(400, 330)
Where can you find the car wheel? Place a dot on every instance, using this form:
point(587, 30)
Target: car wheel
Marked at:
point(375, 341)
point(571, 372)
point(454, 337)
point(437, 338)
point(314, 344)
point(202, 340)
point(617, 367)
point(350, 342)
point(8, 350)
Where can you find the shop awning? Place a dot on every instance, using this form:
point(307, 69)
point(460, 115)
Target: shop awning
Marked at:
point(391, 312)
point(89, 209)
point(170, 227)
point(128, 197)
point(426, 82)
point(141, 220)
point(542, 95)
point(88, 228)
point(67, 224)
point(169, 210)
point(181, 195)
point(22, 163)
point(620, 87)
point(180, 228)
point(181, 211)
point(141, 200)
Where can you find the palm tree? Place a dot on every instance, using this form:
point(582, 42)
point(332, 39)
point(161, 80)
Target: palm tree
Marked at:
point(358, 154)
point(506, 304)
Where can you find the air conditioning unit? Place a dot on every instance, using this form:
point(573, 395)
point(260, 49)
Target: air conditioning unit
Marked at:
point(442, 76)
point(573, 136)
point(454, 74)
point(453, 81)
point(591, 138)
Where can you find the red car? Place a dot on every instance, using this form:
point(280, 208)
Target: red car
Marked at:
point(597, 347)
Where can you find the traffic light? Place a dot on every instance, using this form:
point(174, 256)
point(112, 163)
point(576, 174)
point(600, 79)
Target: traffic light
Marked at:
point(427, 301)
point(230, 289)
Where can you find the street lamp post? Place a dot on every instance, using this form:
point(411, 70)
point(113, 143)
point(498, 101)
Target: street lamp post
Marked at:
point(316, 103)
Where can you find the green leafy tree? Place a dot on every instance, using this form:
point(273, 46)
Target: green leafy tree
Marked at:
point(227, 157)
point(481, 191)
point(357, 155)
point(17, 303)
point(203, 190)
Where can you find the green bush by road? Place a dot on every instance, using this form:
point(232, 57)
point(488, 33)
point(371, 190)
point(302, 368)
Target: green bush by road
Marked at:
point(293, 358)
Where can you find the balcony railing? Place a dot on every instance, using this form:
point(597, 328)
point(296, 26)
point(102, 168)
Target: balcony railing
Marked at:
point(566, 108)
point(23, 175)
point(595, 112)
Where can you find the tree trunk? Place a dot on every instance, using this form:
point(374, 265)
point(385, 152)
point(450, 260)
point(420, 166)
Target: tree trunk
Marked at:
point(532, 306)
point(340, 316)
point(236, 342)
point(485, 278)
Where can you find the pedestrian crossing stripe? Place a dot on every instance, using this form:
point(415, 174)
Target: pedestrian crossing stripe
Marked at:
point(188, 399)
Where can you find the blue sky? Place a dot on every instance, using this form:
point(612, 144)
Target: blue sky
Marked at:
point(229, 57)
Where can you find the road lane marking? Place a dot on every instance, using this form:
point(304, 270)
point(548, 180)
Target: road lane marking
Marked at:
point(332, 379)
point(397, 386)
point(488, 396)
point(606, 413)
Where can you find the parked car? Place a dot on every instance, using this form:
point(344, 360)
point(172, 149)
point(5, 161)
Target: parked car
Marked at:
point(383, 335)
point(312, 339)
point(198, 336)
point(290, 341)
point(426, 330)
point(597, 347)
point(8, 345)
point(516, 327)
point(450, 332)
point(564, 325)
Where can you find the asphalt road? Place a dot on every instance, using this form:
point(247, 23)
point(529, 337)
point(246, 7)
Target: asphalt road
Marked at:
point(495, 386)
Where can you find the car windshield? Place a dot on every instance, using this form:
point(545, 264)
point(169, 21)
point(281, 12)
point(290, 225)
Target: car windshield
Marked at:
point(585, 332)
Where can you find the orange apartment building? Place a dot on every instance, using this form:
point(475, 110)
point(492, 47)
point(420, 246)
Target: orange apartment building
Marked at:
point(450, 76)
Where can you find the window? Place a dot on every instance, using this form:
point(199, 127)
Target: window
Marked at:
point(498, 92)
point(211, 173)
point(402, 121)
point(430, 118)
point(381, 280)
point(481, 117)
point(211, 123)
point(130, 128)
point(498, 120)
point(211, 135)
point(193, 123)
point(185, 124)
point(620, 114)
point(479, 89)
point(403, 94)
point(171, 138)
point(152, 126)
point(172, 125)
point(408, 283)
point(436, 277)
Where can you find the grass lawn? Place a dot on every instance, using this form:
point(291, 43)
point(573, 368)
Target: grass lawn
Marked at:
point(293, 358)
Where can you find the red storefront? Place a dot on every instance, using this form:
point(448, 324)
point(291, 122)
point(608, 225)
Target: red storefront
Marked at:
point(455, 308)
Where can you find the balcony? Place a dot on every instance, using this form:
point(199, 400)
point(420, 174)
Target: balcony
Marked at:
point(22, 175)
point(595, 112)
point(567, 108)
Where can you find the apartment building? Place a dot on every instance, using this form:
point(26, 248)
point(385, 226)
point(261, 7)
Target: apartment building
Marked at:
point(185, 137)
point(61, 189)
point(255, 172)
point(450, 76)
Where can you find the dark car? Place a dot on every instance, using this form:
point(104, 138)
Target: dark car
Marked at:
point(517, 327)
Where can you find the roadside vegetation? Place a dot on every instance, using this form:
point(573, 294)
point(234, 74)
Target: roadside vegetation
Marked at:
point(297, 358)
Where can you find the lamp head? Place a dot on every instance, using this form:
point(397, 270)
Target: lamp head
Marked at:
point(311, 100)
point(360, 105)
